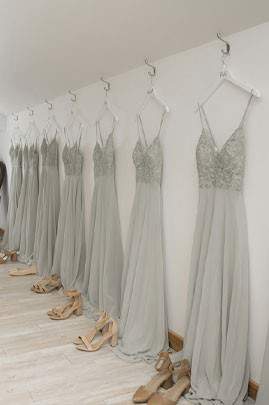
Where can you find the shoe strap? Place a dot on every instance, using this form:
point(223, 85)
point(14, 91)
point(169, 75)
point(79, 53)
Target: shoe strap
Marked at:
point(163, 362)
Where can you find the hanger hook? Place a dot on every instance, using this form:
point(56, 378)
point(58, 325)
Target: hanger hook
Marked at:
point(15, 117)
point(107, 84)
point(225, 52)
point(73, 96)
point(31, 111)
point(49, 104)
point(153, 73)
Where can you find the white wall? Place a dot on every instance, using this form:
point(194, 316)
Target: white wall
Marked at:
point(182, 78)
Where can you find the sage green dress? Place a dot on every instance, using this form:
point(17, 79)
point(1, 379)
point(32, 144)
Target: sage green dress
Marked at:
point(15, 153)
point(69, 256)
point(49, 222)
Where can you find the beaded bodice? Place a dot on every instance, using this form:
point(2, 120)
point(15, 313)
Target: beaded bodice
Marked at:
point(148, 161)
point(104, 159)
point(33, 157)
point(43, 151)
point(222, 168)
point(52, 153)
point(73, 160)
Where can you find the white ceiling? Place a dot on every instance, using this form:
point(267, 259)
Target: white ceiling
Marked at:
point(49, 46)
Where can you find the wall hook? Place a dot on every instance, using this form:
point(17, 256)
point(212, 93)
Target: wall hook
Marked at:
point(153, 73)
point(225, 52)
point(107, 84)
point(73, 96)
point(49, 104)
point(31, 111)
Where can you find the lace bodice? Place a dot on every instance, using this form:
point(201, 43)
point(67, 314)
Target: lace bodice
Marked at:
point(73, 160)
point(52, 153)
point(104, 159)
point(148, 161)
point(222, 168)
point(43, 151)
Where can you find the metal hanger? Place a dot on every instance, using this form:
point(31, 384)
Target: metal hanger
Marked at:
point(107, 107)
point(32, 127)
point(52, 120)
point(152, 93)
point(226, 76)
point(16, 132)
point(76, 116)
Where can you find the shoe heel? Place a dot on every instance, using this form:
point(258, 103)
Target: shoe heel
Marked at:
point(168, 383)
point(78, 311)
point(114, 338)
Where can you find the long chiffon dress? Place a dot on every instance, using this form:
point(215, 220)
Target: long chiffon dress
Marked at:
point(19, 230)
point(15, 154)
point(216, 340)
point(104, 261)
point(50, 214)
point(69, 256)
point(31, 202)
point(143, 323)
point(41, 198)
point(3, 196)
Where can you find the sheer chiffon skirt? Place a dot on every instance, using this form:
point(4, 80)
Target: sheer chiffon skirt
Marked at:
point(218, 305)
point(104, 262)
point(72, 234)
point(40, 208)
point(49, 222)
point(10, 240)
point(20, 221)
point(143, 323)
point(31, 213)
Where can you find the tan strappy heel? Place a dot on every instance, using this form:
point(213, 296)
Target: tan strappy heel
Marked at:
point(164, 379)
point(3, 258)
point(29, 271)
point(99, 325)
point(173, 394)
point(72, 307)
point(47, 285)
point(109, 334)
point(12, 254)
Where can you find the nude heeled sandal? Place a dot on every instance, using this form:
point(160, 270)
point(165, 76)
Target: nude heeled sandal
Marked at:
point(172, 395)
point(3, 258)
point(164, 379)
point(12, 254)
point(62, 308)
point(99, 325)
point(47, 285)
point(109, 334)
point(73, 307)
point(29, 271)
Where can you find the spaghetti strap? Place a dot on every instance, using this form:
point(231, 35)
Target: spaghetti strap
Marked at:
point(140, 126)
point(98, 129)
point(161, 123)
point(246, 110)
point(204, 119)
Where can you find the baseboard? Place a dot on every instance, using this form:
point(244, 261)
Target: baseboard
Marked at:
point(176, 343)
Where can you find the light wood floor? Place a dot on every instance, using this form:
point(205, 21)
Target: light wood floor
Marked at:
point(39, 364)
